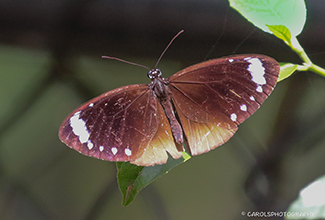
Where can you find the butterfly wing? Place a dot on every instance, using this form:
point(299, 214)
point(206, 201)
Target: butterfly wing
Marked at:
point(212, 98)
point(125, 124)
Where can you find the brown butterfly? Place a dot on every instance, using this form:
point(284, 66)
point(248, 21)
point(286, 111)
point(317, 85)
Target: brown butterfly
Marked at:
point(201, 105)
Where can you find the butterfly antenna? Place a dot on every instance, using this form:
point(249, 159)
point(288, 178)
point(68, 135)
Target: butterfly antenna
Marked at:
point(162, 54)
point(125, 61)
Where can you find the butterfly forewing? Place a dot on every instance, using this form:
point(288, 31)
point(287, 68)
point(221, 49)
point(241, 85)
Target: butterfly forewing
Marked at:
point(116, 126)
point(230, 88)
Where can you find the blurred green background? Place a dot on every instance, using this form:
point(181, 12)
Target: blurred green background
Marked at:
point(50, 63)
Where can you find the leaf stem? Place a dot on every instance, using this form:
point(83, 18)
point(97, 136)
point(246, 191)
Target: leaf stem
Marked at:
point(295, 45)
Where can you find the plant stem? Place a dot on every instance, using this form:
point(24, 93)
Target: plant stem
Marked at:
point(308, 65)
point(317, 69)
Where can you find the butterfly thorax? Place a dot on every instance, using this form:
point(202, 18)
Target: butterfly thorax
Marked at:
point(159, 84)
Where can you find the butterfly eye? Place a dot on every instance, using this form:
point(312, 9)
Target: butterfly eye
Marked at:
point(154, 73)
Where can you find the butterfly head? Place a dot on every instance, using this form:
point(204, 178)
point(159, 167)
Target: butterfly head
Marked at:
point(154, 73)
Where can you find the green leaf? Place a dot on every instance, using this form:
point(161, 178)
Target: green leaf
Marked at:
point(126, 176)
point(132, 178)
point(282, 32)
point(289, 13)
point(286, 70)
point(310, 203)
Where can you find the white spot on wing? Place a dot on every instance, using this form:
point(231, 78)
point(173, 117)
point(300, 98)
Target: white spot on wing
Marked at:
point(114, 150)
point(233, 117)
point(257, 71)
point(128, 152)
point(231, 60)
point(91, 104)
point(259, 89)
point(252, 98)
point(101, 148)
point(79, 127)
point(243, 107)
point(90, 145)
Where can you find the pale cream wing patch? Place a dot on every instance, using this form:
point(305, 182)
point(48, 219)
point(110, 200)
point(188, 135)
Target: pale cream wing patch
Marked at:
point(203, 137)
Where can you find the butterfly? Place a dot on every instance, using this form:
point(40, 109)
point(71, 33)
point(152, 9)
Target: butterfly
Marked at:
point(200, 107)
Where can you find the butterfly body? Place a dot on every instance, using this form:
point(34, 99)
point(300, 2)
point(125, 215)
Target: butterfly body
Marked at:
point(161, 90)
point(201, 105)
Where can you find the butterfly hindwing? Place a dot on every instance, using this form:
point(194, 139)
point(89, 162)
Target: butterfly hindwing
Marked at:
point(162, 142)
